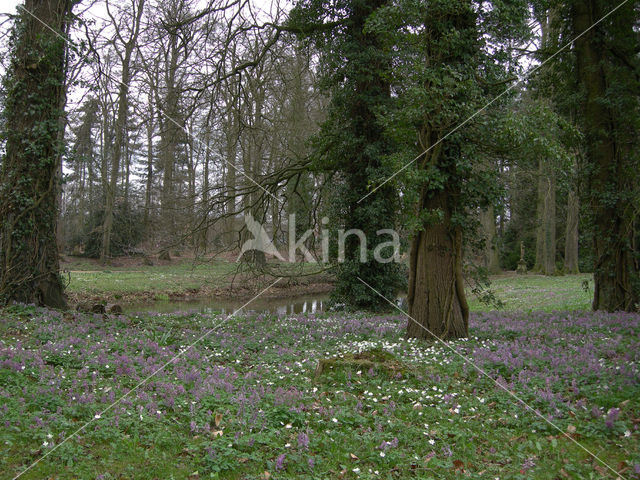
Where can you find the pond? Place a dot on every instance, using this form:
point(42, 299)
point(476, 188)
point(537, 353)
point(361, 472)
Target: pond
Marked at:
point(282, 306)
point(310, 303)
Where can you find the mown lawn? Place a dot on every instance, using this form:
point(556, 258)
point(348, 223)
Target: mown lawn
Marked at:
point(247, 400)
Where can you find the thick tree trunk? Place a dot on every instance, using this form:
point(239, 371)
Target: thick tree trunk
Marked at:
point(29, 265)
point(571, 236)
point(437, 301)
point(610, 139)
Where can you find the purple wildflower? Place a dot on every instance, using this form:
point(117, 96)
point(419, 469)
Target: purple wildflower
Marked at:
point(612, 416)
point(303, 440)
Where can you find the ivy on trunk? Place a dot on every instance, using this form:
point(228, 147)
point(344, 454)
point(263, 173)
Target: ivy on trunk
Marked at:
point(35, 85)
point(607, 70)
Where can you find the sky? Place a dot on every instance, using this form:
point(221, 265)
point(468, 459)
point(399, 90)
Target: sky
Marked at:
point(9, 6)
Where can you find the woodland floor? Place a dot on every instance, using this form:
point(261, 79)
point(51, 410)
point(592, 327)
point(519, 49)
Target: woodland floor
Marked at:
point(248, 401)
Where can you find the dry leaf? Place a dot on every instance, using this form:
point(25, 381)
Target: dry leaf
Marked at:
point(601, 470)
point(266, 475)
point(571, 429)
point(218, 419)
point(217, 433)
point(353, 457)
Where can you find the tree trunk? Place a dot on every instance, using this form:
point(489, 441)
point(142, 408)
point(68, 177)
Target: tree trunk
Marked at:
point(149, 180)
point(436, 296)
point(546, 219)
point(170, 135)
point(29, 264)
point(491, 259)
point(610, 138)
point(204, 234)
point(120, 136)
point(571, 236)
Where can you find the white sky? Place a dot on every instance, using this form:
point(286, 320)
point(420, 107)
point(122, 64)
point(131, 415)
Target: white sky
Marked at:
point(9, 6)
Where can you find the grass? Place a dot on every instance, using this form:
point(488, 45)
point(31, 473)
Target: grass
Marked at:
point(540, 293)
point(90, 279)
point(159, 282)
point(333, 395)
point(248, 401)
point(139, 282)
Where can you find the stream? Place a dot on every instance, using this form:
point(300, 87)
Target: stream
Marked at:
point(281, 306)
point(310, 303)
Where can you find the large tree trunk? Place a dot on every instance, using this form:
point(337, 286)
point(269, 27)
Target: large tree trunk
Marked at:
point(29, 264)
point(610, 139)
point(437, 302)
point(170, 136)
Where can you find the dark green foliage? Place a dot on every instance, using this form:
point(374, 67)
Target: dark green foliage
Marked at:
point(352, 146)
point(127, 233)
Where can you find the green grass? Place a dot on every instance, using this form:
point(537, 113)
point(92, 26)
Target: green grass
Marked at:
point(517, 292)
point(539, 293)
point(89, 279)
point(249, 398)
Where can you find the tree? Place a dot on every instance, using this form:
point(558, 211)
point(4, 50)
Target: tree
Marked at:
point(608, 69)
point(35, 85)
point(571, 239)
point(352, 146)
point(450, 57)
point(125, 57)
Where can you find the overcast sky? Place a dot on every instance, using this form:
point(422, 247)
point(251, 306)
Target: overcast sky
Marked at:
point(9, 6)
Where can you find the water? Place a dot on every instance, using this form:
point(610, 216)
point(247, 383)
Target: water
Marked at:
point(281, 306)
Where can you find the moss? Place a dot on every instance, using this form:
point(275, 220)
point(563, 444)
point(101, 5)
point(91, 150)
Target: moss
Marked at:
point(377, 359)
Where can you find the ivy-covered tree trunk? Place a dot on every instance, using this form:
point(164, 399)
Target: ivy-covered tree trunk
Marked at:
point(35, 82)
point(607, 66)
point(436, 294)
point(353, 146)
